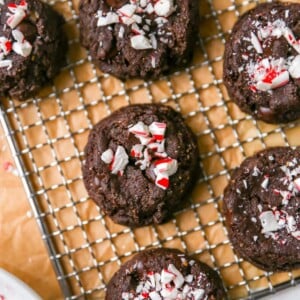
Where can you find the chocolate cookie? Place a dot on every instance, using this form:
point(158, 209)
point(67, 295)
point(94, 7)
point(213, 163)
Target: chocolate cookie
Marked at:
point(32, 46)
point(262, 62)
point(138, 38)
point(165, 274)
point(140, 162)
point(262, 209)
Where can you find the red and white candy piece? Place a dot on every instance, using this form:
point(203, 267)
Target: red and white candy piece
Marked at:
point(265, 183)
point(158, 130)
point(289, 35)
point(269, 74)
point(139, 129)
point(107, 156)
point(120, 161)
point(162, 181)
point(5, 45)
point(137, 151)
point(167, 166)
point(21, 46)
point(18, 13)
point(159, 148)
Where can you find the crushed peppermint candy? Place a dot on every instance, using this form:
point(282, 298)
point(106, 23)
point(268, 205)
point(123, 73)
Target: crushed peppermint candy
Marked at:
point(117, 161)
point(277, 218)
point(150, 151)
point(169, 284)
point(17, 12)
point(19, 45)
point(265, 183)
point(138, 16)
point(107, 156)
point(267, 73)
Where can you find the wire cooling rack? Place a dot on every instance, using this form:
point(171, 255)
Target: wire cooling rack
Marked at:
point(47, 135)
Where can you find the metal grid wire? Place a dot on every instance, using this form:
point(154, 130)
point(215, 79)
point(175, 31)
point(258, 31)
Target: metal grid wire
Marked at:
point(47, 135)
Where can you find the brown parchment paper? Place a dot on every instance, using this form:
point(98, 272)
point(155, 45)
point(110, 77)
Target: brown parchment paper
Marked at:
point(51, 131)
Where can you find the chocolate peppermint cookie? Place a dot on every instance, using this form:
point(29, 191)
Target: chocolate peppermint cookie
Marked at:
point(32, 46)
point(138, 38)
point(140, 163)
point(165, 274)
point(262, 209)
point(262, 62)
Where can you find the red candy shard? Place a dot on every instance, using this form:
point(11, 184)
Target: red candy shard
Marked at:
point(163, 183)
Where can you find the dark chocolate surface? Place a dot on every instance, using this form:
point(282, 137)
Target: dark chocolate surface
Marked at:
point(266, 183)
point(134, 199)
point(110, 45)
point(42, 28)
point(242, 52)
point(204, 281)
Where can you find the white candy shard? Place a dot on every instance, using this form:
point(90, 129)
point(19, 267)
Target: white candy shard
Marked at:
point(149, 9)
point(198, 294)
point(127, 10)
point(268, 222)
point(24, 49)
point(110, 18)
point(140, 42)
point(107, 156)
point(294, 68)
point(291, 224)
point(18, 35)
point(7, 63)
point(256, 43)
point(296, 234)
point(297, 184)
point(178, 278)
point(155, 296)
point(166, 276)
point(120, 160)
point(164, 8)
